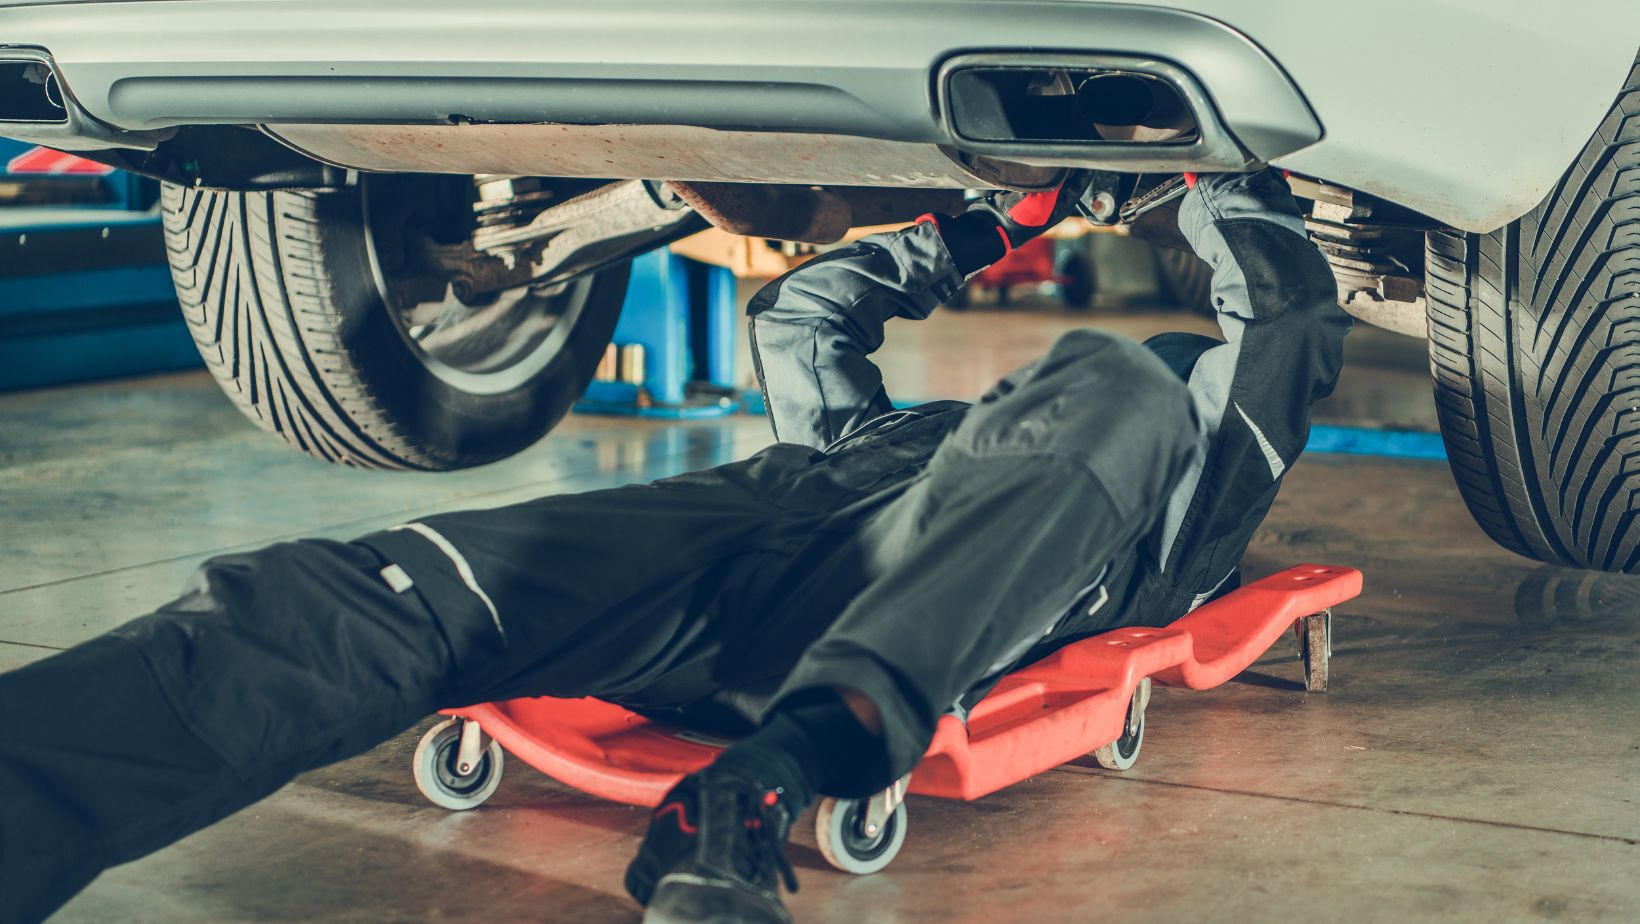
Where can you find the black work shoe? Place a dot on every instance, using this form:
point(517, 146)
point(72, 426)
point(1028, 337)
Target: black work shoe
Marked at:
point(714, 854)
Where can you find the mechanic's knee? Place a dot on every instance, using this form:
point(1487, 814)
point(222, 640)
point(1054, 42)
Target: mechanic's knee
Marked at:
point(298, 571)
point(289, 596)
point(1100, 360)
point(1101, 402)
point(1088, 384)
point(296, 646)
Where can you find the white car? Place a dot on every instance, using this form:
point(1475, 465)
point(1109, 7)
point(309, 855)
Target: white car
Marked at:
point(398, 229)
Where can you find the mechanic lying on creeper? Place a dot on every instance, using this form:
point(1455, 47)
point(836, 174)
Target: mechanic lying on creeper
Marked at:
point(863, 574)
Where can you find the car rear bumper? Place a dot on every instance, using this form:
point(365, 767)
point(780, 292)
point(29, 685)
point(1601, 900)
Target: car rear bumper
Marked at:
point(852, 68)
point(1466, 114)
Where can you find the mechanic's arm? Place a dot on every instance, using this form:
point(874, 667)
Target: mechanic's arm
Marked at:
point(1277, 305)
point(814, 329)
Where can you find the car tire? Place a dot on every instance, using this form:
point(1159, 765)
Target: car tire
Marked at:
point(1534, 342)
point(287, 297)
point(1076, 270)
point(1184, 279)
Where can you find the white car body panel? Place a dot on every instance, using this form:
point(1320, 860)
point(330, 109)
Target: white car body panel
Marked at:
point(1465, 110)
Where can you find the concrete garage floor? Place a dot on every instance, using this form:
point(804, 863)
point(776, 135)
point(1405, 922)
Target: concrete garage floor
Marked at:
point(1477, 758)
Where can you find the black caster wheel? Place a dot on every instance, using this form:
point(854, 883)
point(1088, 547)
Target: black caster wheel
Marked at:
point(840, 830)
point(1123, 753)
point(440, 777)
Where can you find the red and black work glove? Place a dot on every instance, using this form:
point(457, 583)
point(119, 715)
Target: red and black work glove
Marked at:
point(990, 228)
point(1023, 216)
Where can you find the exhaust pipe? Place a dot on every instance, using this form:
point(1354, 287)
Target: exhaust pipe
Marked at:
point(1120, 112)
point(1065, 104)
point(1124, 100)
point(31, 92)
point(36, 106)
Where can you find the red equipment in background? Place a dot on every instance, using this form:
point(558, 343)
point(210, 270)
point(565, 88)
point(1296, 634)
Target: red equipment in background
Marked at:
point(1037, 261)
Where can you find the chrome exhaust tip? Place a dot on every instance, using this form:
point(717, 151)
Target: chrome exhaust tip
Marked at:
point(37, 106)
point(31, 92)
point(1127, 100)
point(1118, 111)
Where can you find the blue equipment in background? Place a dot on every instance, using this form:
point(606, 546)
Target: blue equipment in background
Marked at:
point(673, 354)
point(84, 288)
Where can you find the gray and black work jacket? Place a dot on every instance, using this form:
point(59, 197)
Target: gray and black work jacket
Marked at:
point(813, 334)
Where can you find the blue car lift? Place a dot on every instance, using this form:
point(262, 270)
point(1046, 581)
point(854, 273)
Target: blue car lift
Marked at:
point(673, 354)
point(84, 288)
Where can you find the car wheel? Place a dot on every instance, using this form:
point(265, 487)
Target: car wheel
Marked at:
point(1184, 279)
point(324, 326)
point(1077, 273)
point(1534, 341)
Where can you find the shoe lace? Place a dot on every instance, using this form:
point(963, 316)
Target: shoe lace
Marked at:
point(763, 846)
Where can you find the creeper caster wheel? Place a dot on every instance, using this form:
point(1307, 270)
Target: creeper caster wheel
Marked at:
point(840, 828)
point(452, 776)
point(1315, 649)
point(1124, 751)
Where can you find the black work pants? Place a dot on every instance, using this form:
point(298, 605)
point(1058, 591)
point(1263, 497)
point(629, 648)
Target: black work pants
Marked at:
point(902, 564)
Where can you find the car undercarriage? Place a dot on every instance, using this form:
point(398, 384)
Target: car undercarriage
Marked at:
point(447, 202)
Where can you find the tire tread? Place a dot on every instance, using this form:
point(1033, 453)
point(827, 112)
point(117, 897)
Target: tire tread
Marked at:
point(238, 303)
point(1534, 346)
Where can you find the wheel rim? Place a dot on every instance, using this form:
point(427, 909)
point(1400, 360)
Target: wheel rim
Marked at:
point(1127, 746)
point(857, 843)
point(444, 769)
point(480, 350)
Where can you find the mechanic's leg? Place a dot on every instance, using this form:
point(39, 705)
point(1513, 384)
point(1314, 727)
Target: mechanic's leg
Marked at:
point(1058, 471)
point(270, 663)
point(304, 653)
